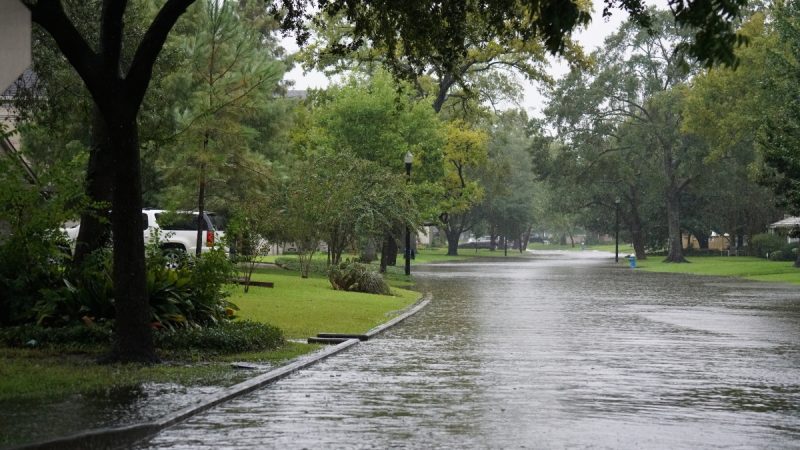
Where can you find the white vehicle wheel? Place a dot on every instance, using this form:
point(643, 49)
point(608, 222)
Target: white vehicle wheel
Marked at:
point(174, 257)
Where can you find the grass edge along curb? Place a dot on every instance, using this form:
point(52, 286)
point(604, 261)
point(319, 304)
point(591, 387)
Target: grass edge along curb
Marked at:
point(415, 308)
point(121, 436)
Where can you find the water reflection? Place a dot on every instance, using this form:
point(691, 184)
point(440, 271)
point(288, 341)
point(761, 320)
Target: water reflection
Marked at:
point(548, 352)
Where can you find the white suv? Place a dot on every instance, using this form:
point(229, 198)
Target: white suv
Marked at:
point(177, 230)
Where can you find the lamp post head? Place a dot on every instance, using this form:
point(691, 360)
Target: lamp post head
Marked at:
point(616, 200)
point(409, 158)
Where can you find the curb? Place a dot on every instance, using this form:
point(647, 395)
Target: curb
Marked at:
point(426, 298)
point(114, 437)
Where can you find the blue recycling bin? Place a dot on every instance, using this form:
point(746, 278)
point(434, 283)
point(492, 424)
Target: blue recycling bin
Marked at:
point(632, 260)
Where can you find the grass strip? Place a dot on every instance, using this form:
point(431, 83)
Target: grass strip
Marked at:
point(305, 307)
point(746, 267)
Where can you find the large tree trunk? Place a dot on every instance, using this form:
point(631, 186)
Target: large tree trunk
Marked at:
point(385, 253)
point(674, 226)
point(134, 339)
point(526, 237)
point(634, 221)
point(452, 240)
point(391, 250)
point(702, 240)
point(95, 228)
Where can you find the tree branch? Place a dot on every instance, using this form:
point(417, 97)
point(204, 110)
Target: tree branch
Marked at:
point(50, 15)
point(111, 25)
point(141, 70)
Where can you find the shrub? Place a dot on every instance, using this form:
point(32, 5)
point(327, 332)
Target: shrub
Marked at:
point(31, 245)
point(210, 276)
point(88, 292)
point(765, 244)
point(225, 337)
point(69, 337)
point(352, 276)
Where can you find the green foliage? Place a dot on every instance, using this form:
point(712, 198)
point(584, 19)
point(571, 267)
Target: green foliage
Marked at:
point(71, 337)
point(210, 275)
point(194, 294)
point(352, 276)
point(764, 244)
point(225, 108)
point(88, 292)
point(32, 249)
point(225, 337)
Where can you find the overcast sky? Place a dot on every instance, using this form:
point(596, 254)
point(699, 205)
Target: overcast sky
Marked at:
point(590, 38)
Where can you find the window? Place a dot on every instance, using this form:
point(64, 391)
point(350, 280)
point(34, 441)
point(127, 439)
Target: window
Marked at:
point(179, 221)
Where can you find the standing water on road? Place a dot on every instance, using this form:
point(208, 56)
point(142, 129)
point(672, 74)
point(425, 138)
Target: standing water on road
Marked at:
point(553, 351)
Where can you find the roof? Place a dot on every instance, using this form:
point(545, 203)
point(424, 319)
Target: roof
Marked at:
point(788, 222)
point(302, 94)
point(27, 79)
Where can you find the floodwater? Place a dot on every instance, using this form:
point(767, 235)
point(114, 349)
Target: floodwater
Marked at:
point(557, 351)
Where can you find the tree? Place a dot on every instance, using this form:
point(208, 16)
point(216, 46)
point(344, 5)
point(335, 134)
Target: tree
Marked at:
point(228, 79)
point(508, 180)
point(409, 32)
point(464, 150)
point(118, 93)
point(733, 111)
point(638, 84)
point(338, 197)
point(781, 134)
point(379, 120)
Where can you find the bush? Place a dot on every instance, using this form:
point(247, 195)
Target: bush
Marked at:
point(88, 292)
point(765, 244)
point(69, 337)
point(352, 276)
point(226, 337)
point(31, 245)
point(194, 294)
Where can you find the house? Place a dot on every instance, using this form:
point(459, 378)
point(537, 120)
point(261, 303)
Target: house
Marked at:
point(718, 242)
point(788, 226)
point(9, 141)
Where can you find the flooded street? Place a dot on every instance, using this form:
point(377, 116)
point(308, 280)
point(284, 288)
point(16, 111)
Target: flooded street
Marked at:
point(550, 352)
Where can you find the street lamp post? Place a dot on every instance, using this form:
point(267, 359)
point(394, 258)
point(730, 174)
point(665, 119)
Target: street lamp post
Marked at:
point(616, 230)
point(409, 158)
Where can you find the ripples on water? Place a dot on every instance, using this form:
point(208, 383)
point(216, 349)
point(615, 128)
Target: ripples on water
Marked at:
point(543, 353)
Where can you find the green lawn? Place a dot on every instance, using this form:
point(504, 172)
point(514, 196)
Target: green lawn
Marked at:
point(27, 374)
point(747, 267)
point(305, 307)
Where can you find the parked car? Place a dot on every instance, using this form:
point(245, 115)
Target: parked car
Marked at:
point(481, 242)
point(177, 231)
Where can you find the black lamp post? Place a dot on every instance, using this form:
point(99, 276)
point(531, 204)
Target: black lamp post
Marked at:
point(409, 158)
point(616, 230)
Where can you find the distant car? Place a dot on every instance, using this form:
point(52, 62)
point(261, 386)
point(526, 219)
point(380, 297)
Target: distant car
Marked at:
point(177, 231)
point(481, 242)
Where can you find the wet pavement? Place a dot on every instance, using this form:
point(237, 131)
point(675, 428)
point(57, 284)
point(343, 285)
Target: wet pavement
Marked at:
point(550, 352)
